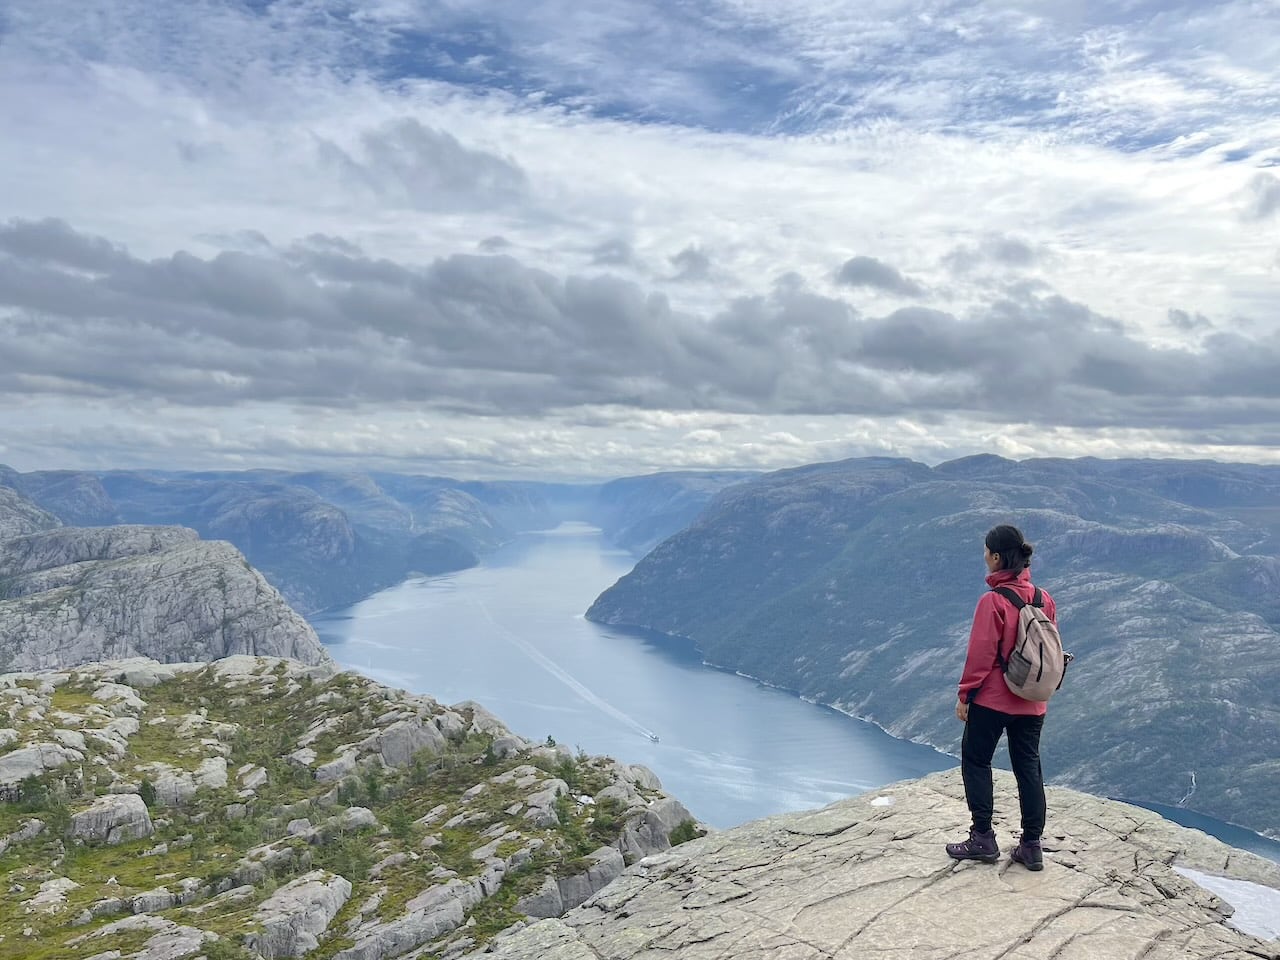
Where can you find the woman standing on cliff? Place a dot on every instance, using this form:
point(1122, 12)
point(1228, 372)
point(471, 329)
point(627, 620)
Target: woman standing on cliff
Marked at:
point(989, 708)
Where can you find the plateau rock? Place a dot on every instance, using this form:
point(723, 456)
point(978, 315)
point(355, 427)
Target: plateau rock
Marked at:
point(867, 879)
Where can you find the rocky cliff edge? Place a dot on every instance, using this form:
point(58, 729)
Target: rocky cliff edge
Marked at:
point(76, 595)
point(867, 878)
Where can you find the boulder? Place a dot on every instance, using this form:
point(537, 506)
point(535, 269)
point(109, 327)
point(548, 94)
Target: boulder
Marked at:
point(509, 746)
point(542, 812)
point(112, 819)
point(173, 787)
point(648, 830)
point(293, 918)
point(398, 742)
point(337, 768)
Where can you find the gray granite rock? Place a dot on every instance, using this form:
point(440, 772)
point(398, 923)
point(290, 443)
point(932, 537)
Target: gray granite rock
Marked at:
point(542, 803)
point(867, 878)
point(397, 743)
point(648, 830)
point(33, 761)
point(556, 895)
point(293, 918)
point(112, 819)
point(76, 595)
point(20, 515)
point(337, 768)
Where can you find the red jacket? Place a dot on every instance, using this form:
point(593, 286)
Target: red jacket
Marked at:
point(995, 627)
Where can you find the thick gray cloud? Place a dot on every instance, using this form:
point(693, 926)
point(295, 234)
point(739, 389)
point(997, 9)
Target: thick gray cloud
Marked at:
point(692, 264)
point(319, 323)
point(864, 271)
point(407, 162)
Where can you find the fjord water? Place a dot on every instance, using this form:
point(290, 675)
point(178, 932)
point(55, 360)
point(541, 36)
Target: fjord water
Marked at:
point(510, 634)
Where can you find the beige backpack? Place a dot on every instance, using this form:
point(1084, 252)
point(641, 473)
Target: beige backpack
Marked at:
point(1037, 664)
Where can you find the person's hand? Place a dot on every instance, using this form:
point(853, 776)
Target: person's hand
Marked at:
point(962, 711)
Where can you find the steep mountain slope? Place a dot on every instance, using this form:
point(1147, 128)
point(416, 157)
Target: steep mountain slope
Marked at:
point(256, 807)
point(854, 584)
point(78, 594)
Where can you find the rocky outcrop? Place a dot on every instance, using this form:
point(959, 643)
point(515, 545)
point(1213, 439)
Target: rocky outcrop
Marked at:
point(289, 809)
point(19, 515)
point(867, 879)
point(294, 916)
point(77, 595)
point(112, 819)
point(31, 761)
point(649, 829)
point(558, 894)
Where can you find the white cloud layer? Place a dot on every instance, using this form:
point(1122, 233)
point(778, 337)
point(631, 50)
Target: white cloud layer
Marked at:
point(464, 237)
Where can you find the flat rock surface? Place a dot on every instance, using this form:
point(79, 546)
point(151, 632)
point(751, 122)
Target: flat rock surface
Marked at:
point(868, 878)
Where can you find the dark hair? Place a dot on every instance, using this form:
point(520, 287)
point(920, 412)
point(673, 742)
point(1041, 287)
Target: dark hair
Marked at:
point(1007, 541)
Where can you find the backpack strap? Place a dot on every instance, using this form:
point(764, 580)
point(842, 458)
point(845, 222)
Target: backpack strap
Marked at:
point(1018, 603)
point(1037, 600)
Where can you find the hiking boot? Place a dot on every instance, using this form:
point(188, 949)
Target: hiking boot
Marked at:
point(1029, 854)
point(979, 846)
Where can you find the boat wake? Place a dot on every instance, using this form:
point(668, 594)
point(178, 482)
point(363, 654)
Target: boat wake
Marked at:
point(557, 671)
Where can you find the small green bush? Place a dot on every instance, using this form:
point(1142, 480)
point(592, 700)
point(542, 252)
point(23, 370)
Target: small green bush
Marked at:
point(685, 831)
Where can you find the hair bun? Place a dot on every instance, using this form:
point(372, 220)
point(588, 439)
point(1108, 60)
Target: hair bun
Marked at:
point(1027, 549)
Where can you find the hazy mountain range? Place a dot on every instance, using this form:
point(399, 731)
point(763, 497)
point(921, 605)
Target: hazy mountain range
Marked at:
point(330, 539)
point(854, 584)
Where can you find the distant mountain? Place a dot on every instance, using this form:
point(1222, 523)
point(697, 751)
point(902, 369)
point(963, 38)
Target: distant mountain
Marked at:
point(327, 539)
point(323, 539)
point(74, 595)
point(854, 584)
point(638, 513)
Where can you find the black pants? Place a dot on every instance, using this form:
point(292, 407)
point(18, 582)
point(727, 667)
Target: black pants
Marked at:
point(981, 734)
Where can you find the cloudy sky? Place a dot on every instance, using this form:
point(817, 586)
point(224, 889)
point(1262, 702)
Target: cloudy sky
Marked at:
point(577, 239)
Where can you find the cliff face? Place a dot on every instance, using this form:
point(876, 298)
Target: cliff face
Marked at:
point(259, 808)
point(75, 595)
point(854, 584)
point(867, 879)
point(19, 515)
